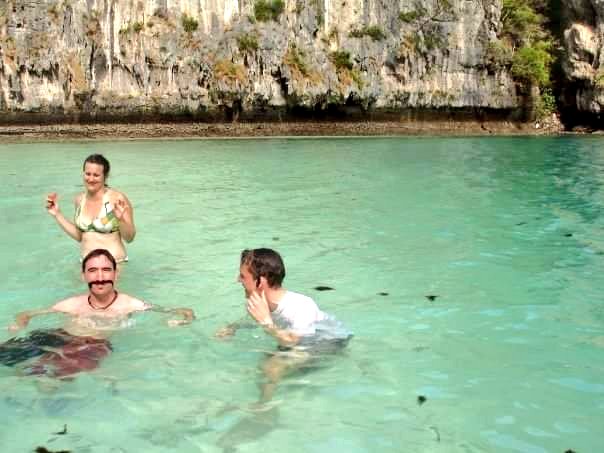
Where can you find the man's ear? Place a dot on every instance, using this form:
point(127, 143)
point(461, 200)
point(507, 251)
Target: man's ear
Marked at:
point(263, 284)
point(117, 273)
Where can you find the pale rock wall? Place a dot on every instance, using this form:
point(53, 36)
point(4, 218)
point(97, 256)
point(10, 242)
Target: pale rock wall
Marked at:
point(584, 58)
point(120, 57)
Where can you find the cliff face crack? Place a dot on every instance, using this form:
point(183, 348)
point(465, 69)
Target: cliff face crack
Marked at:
point(111, 35)
point(91, 62)
point(282, 82)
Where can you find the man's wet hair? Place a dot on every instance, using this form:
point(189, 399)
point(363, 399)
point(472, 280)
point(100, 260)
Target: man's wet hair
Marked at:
point(98, 252)
point(98, 159)
point(265, 263)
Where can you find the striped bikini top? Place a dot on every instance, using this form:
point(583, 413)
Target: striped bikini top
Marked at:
point(105, 222)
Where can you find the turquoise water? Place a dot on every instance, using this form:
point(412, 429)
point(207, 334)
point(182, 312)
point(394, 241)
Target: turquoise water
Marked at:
point(507, 232)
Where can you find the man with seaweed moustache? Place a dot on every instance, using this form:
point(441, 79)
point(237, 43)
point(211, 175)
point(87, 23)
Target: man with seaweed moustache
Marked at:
point(82, 342)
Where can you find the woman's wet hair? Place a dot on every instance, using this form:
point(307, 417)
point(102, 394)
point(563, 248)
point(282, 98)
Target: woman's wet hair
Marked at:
point(98, 159)
point(264, 263)
point(98, 252)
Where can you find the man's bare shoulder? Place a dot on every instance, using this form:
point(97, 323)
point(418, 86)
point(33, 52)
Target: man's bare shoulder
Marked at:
point(130, 303)
point(71, 304)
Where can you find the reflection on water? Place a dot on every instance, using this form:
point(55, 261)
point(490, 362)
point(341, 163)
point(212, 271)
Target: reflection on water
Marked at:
point(506, 232)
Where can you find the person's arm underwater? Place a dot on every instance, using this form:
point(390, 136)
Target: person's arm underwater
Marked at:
point(257, 307)
point(187, 314)
point(22, 319)
point(230, 329)
point(64, 306)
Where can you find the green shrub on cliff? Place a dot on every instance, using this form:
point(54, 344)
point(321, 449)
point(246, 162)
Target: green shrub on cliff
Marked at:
point(318, 6)
point(347, 74)
point(520, 20)
point(441, 10)
point(189, 24)
point(499, 54)
point(228, 71)
point(247, 43)
point(424, 32)
point(410, 16)
point(599, 79)
point(294, 58)
point(433, 40)
point(546, 104)
point(528, 41)
point(341, 59)
point(134, 27)
point(265, 10)
point(373, 31)
point(531, 64)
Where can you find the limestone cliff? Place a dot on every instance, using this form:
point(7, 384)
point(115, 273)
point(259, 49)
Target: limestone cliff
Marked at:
point(207, 57)
point(583, 62)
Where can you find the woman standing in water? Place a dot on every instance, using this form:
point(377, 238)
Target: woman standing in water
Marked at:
point(103, 217)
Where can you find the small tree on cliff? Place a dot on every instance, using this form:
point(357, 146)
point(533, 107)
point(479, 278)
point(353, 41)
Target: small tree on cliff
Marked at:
point(531, 51)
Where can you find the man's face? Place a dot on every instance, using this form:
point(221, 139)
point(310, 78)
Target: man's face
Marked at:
point(247, 280)
point(100, 275)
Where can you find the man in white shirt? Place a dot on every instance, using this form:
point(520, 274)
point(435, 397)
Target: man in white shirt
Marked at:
point(294, 320)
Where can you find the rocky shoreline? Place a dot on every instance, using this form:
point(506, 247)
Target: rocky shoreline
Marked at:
point(187, 130)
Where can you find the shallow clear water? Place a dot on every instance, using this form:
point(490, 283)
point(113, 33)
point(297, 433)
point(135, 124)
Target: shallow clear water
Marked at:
point(507, 232)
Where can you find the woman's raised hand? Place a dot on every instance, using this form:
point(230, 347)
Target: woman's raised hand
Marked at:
point(120, 208)
point(52, 204)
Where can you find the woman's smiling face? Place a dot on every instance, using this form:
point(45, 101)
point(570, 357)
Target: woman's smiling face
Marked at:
point(94, 177)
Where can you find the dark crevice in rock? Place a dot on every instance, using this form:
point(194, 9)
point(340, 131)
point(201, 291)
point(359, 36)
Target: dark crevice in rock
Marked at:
point(111, 32)
point(233, 111)
point(282, 82)
point(91, 61)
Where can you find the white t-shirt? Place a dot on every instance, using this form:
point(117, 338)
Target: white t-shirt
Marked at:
point(297, 313)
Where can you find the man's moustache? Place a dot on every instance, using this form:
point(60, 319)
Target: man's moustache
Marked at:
point(100, 282)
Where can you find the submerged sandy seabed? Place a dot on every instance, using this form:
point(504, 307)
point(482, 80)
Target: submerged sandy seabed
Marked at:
point(106, 131)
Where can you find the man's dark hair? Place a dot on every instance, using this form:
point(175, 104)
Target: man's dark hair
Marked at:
point(98, 159)
point(98, 252)
point(264, 263)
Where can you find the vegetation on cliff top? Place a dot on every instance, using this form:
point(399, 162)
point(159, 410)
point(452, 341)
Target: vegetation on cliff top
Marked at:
point(373, 31)
point(527, 46)
point(424, 30)
point(189, 24)
point(266, 10)
point(247, 43)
